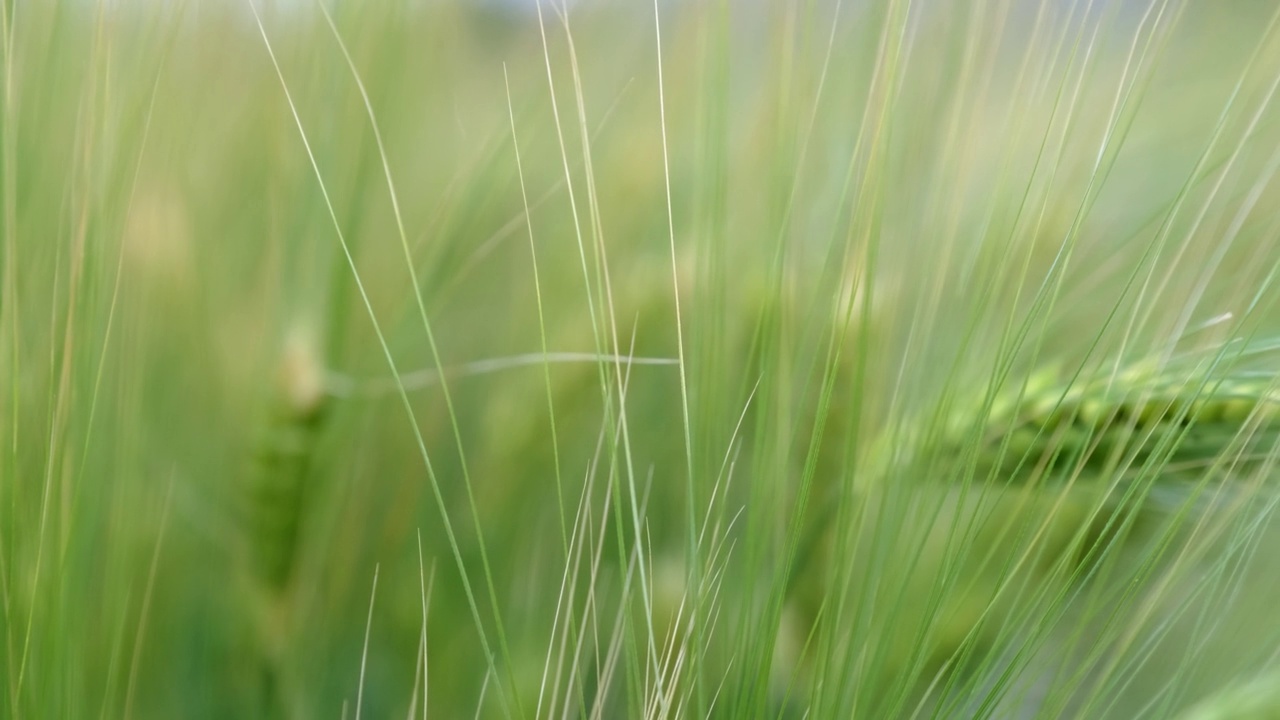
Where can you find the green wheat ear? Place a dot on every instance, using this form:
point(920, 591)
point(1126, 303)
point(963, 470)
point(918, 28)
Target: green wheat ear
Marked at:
point(1164, 422)
point(273, 506)
point(282, 459)
point(1161, 429)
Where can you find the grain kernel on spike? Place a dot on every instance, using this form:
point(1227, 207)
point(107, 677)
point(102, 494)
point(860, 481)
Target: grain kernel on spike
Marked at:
point(1208, 410)
point(1021, 442)
point(1041, 381)
point(1237, 409)
point(1093, 411)
point(1047, 410)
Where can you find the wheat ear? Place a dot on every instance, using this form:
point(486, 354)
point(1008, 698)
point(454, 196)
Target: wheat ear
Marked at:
point(273, 511)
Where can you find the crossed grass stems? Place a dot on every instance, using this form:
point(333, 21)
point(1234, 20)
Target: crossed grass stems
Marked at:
point(1170, 436)
point(1170, 439)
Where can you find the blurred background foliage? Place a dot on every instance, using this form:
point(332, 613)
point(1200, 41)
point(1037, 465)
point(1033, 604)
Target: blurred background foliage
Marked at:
point(204, 459)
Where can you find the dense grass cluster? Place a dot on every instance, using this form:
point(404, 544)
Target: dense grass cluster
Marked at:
point(875, 358)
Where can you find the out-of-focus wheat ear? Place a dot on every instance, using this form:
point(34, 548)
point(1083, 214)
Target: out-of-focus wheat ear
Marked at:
point(275, 501)
point(283, 455)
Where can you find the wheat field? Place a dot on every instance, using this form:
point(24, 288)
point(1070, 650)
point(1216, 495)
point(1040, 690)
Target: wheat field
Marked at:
point(806, 359)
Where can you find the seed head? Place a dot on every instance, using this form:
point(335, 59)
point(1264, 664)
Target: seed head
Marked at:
point(301, 371)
